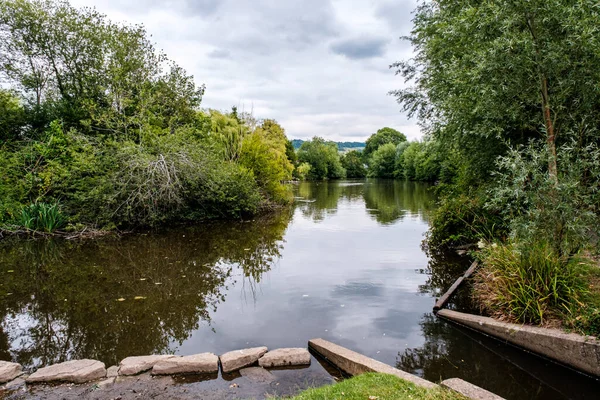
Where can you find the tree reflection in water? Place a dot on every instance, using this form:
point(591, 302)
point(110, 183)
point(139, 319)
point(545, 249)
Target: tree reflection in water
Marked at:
point(111, 298)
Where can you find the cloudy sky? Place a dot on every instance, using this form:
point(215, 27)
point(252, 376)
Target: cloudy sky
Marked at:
point(319, 67)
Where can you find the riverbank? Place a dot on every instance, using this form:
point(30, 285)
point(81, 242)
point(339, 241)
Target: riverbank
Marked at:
point(375, 386)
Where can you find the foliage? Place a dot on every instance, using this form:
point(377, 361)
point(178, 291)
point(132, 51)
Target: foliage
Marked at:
point(100, 121)
point(563, 214)
point(383, 161)
point(12, 116)
point(490, 73)
point(379, 386)
point(41, 217)
point(264, 152)
point(462, 219)
point(381, 137)
point(531, 284)
point(323, 158)
point(354, 165)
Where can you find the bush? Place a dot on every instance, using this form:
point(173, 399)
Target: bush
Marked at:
point(41, 217)
point(463, 219)
point(528, 284)
point(562, 212)
point(383, 161)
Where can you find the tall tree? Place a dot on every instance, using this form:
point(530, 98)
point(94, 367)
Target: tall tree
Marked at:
point(491, 72)
point(383, 136)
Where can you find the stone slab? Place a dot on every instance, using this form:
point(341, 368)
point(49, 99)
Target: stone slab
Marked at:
point(9, 371)
point(577, 351)
point(285, 357)
point(355, 363)
point(112, 372)
point(469, 390)
point(257, 375)
point(137, 365)
point(195, 364)
point(238, 359)
point(76, 371)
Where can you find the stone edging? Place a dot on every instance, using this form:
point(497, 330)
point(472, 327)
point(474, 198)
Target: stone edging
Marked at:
point(577, 351)
point(83, 371)
point(355, 363)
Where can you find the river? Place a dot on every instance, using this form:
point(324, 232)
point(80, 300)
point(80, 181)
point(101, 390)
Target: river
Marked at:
point(345, 264)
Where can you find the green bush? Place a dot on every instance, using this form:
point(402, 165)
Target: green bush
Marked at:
point(41, 217)
point(529, 284)
point(462, 219)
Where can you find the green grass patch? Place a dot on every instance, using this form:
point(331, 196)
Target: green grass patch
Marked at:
point(41, 217)
point(533, 284)
point(377, 387)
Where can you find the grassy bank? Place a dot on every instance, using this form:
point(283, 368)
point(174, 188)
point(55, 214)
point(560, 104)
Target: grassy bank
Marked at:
point(377, 387)
point(536, 285)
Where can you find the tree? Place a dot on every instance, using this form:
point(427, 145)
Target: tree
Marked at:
point(264, 153)
point(490, 73)
point(383, 161)
point(95, 75)
point(323, 158)
point(353, 163)
point(383, 136)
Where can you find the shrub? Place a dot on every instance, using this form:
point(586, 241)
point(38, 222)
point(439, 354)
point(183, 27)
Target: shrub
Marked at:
point(41, 217)
point(528, 284)
point(464, 219)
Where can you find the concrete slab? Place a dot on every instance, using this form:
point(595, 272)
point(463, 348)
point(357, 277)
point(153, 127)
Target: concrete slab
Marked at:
point(354, 363)
point(469, 390)
point(577, 351)
point(285, 358)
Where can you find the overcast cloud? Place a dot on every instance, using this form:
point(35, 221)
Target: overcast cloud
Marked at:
point(319, 67)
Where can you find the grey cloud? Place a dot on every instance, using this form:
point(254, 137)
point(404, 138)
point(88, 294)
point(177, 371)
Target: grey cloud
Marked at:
point(220, 53)
point(398, 14)
point(360, 48)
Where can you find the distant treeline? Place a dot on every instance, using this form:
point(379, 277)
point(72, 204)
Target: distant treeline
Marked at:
point(341, 145)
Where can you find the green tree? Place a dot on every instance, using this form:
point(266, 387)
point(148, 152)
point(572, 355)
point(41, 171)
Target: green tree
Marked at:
point(383, 136)
point(489, 73)
point(264, 153)
point(383, 161)
point(354, 165)
point(323, 158)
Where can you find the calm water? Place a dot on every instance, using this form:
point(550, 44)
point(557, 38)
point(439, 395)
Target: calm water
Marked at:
point(345, 264)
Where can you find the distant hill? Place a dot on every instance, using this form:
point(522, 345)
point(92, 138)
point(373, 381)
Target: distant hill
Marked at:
point(342, 146)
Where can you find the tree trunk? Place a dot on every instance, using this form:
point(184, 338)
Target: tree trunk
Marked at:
point(550, 134)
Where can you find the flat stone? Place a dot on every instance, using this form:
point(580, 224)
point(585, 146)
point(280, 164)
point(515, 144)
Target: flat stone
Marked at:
point(196, 364)
point(112, 372)
point(355, 363)
point(238, 359)
point(257, 375)
point(76, 371)
point(16, 383)
point(139, 364)
point(285, 358)
point(9, 371)
point(107, 382)
point(469, 390)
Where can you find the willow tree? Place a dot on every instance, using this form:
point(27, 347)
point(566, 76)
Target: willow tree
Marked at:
point(491, 72)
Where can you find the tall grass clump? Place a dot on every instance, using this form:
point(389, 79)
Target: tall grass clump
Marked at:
point(41, 217)
point(529, 285)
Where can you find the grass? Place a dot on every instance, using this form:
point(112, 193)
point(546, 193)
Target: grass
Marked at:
point(41, 217)
point(373, 386)
point(534, 285)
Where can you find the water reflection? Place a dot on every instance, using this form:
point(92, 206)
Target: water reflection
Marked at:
point(109, 299)
point(386, 201)
point(345, 264)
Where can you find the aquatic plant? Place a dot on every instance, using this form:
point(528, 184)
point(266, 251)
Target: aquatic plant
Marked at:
point(41, 217)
